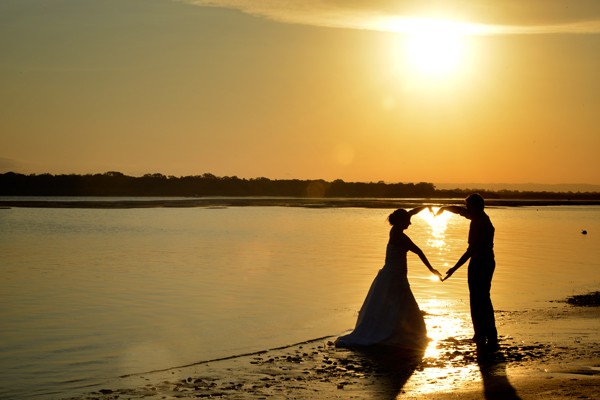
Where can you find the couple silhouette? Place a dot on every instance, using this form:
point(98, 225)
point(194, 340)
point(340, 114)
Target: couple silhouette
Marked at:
point(390, 315)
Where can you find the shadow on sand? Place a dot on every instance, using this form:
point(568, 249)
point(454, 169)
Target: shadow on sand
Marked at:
point(393, 367)
point(496, 385)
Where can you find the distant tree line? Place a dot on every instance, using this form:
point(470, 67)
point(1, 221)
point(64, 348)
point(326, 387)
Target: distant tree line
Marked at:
point(117, 184)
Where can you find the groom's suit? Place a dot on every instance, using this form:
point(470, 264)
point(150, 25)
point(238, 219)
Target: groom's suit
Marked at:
point(481, 270)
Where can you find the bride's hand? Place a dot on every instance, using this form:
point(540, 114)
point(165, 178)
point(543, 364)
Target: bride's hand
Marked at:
point(437, 273)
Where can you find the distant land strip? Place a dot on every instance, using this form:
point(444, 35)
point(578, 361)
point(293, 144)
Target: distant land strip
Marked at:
point(114, 189)
point(277, 202)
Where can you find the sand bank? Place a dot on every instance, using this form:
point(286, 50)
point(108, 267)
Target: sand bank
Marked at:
point(550, 353)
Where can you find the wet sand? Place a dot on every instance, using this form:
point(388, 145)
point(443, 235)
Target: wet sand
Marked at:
point(552, 353)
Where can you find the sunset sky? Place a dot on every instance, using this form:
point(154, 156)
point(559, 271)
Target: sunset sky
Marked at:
point(397, 91)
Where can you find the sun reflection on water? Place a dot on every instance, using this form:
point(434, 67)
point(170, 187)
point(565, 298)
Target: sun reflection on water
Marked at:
point(442, 324)
point(438, 225)
point(445, 366)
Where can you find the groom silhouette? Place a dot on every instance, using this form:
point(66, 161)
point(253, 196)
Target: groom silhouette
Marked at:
point(481, 269)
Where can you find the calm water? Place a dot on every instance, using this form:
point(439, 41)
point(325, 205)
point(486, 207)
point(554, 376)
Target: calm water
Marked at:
point(91, 294)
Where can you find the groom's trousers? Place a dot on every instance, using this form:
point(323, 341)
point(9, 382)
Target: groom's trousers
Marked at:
point(481, 271)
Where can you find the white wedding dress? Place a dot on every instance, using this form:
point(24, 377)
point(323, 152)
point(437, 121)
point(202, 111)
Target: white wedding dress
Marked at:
point(390, 314)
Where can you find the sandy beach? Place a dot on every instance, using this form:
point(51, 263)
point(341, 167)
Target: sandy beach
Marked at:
point(552, 352)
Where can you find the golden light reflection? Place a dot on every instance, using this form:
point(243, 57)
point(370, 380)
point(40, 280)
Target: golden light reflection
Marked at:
point(441, 325)
point(445, 328)
point(438, 226)
point(441, 380)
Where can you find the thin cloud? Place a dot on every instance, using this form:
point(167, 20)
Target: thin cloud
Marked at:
point(483, 17)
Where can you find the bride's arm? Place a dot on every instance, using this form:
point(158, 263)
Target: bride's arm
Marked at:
point(417, 250)
point(417, 210)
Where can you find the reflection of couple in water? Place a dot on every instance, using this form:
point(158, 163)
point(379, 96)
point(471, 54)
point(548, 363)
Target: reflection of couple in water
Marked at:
point(390, 315)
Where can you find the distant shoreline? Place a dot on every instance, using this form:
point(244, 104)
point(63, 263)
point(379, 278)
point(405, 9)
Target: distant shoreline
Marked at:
point(204, 186)
point(224, 202)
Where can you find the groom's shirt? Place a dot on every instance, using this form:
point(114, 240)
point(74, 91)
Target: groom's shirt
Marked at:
point(481, 235)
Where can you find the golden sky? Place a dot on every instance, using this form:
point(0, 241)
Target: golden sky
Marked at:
point(399, 91)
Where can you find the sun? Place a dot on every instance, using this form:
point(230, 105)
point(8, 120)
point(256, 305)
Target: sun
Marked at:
point(434, 47)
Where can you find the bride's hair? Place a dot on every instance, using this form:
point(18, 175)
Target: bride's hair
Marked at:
point(398, 216)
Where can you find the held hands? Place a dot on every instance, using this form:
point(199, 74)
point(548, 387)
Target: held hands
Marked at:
point(437, 273)
point(449, 273)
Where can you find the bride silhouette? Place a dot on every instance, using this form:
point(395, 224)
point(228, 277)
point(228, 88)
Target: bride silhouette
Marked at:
point(390, 314)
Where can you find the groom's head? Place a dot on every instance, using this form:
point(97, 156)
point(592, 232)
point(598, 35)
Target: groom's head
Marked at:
point(475, 202)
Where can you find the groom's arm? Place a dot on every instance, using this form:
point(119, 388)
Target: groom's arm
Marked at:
point(453, 209)
point(461, 261)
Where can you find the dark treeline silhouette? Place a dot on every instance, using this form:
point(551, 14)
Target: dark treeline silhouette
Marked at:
point(118, 184)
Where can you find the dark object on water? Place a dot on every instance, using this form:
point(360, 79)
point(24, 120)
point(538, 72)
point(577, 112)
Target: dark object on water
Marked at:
point(585, 300)
point(583, 232)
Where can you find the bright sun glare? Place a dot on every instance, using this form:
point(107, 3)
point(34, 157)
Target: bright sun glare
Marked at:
point(434, 47)
point(438, 225)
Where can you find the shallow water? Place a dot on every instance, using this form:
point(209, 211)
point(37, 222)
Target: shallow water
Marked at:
point(92, 294)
